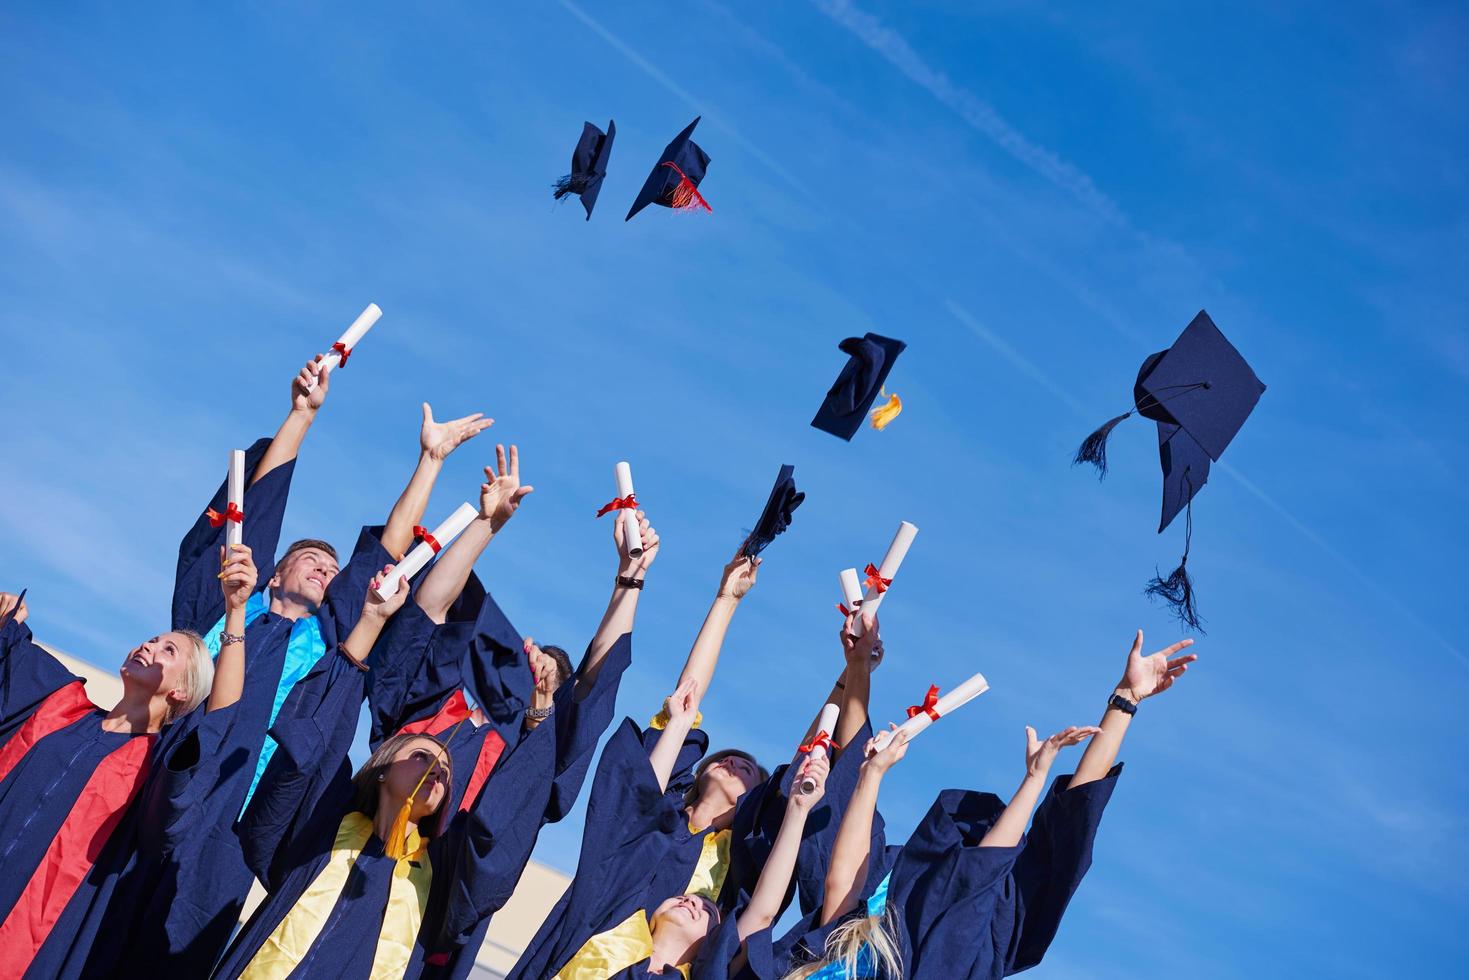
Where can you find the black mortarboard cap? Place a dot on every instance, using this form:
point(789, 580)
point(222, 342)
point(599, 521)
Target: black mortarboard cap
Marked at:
point(870, 358)
point(588, 165)
point(675, 179)
point(1200, 391)
point(776, 517)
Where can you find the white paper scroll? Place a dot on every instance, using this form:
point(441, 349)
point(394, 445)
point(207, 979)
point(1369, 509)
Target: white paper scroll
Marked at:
point(851, 589)
point(945, 705)
point(423, 552)
point(234, 531)
point(349, 340)
point(891, 562)
point(632, 538)
point(825, 725)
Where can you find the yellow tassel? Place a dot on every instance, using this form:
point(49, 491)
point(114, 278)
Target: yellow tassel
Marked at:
point(883, 414)
point(396, 846)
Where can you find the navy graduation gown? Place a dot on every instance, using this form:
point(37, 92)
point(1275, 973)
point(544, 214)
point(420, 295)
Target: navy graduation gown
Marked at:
point(197, 601)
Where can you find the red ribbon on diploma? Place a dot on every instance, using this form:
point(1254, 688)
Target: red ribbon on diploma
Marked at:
point(821, 741)
point(231, 513)
point(345, 353)
point(929, 705)
point(630, 502)
point(843, 610)
point(876, 581)
point(421, 532)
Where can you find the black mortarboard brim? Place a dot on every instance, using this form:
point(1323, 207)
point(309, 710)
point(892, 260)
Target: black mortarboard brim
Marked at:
point(588, 165)
point(776, 517)
point(870, 358)
point(1201, 383)
point(675, 178)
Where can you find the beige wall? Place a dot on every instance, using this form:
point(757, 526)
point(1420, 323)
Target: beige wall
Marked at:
point(513, 926)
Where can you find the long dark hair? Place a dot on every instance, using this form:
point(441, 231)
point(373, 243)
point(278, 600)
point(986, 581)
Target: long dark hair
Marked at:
point(365, 783)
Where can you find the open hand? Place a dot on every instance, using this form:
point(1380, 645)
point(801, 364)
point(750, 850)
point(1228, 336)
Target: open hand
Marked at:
point(382, 609)
point(305, 398)
point(439, 439)
point(501, 494)
point(630, 566)
point(1039, 755)
point(237, 575)
point(1155, 673)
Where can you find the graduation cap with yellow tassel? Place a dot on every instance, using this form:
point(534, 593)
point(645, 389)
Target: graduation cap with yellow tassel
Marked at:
point(848, 401)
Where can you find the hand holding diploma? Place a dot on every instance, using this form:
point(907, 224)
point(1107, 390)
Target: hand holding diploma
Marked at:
point(342, 349)
point(626, 504)
point(392, 578)
point(933, 707)
point(811, 778)
point(825, 726)
point(234, 514)
point(880, 578)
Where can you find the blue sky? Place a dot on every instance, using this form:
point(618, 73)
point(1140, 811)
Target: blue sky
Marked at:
point(1034, 198)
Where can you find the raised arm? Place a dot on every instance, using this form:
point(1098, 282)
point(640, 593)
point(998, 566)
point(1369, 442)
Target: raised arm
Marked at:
point(863, 654)
point(682, 707)
point(436, 440)
point(375, 615)
point(622, 608)
point(852, 851)
point(499, 498)
point(304, 405)
point(1010, 826)
point(775, 877)
point(237, 581)
point(734, 584)
point(1143, 678)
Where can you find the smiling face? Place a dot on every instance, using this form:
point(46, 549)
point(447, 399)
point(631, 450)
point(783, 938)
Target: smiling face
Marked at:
point(305, 574)
point(160, 666)
point(683, 921)
point(410, 761)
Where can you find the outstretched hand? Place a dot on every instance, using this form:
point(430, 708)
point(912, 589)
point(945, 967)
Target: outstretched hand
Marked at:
point(10, 603)
point(739, 575)
point(501, 493)
point(650, 545)
point(439, 439)
point(1039, 755)
point(815, 767)
point(1155, 673)
point(863, 651)
point(237, 575)
point(683, 704)
point(305, 397)
point(881, 760)
point(383, 609)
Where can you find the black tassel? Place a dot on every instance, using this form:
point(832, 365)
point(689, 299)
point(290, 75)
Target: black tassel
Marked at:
point(1178, 592)
point(1094, 448)
point(571, 185)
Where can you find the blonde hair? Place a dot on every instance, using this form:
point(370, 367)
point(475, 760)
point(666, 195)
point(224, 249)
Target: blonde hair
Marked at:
point(845, 945)
point(198, 678)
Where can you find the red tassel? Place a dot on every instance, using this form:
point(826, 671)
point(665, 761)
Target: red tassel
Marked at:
point(686, 196)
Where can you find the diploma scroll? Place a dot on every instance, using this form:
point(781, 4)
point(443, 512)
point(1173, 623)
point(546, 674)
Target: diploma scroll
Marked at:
point(424, 551)
point(826, 727)
point(342, 349)
point(851, 589)
point(922, 715)
point(234, 530)
point(632, 537)
point(888, 571)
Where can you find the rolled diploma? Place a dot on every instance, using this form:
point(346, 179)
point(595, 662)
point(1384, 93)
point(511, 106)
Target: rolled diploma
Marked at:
point(946, 704)
point(235, 533)
point(891, 562)
point(827, 723)
point(423, 552)
point(349, 340)
point(632, 538)
point(851, 589)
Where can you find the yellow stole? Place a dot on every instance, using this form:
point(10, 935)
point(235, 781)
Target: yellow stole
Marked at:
point(288, 945)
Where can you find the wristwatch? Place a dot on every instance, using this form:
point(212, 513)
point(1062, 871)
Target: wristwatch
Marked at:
point(628, 582)
point(540, 714)
point(1122, 704)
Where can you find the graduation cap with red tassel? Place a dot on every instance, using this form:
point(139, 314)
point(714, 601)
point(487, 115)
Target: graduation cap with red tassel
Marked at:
point(674, 182)
point(1200, 391)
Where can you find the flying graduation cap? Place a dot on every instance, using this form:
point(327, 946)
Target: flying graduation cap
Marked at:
point(588, 165)
point(870, 358)
point(776, 517)
point(1199, 392)
point(674, 182)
